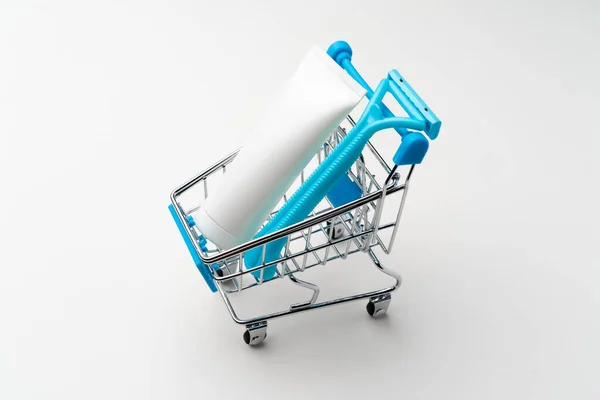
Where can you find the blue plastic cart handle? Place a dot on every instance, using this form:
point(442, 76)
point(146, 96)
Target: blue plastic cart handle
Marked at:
point(203, 268)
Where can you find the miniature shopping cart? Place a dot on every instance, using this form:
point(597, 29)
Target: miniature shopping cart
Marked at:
point(350, 220)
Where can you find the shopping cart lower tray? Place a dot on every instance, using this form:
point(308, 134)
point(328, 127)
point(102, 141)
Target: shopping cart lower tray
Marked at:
point(349, 221)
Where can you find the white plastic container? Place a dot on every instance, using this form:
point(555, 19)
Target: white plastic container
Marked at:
point(312, 104)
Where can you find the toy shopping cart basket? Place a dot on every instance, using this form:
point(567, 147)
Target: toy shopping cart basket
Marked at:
point(348, 221)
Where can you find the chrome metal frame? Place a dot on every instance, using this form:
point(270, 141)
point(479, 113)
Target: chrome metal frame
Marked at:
point(360, 234)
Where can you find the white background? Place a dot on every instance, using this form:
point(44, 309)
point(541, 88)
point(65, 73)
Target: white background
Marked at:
point(105, 107)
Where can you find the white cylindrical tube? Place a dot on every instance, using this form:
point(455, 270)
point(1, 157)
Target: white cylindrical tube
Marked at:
point(316, 99)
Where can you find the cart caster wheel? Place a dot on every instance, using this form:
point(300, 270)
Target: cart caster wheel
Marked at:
point(377, 306)
point(219, 273)
point(255, 334)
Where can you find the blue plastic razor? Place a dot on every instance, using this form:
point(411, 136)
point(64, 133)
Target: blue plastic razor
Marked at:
point(329, 173)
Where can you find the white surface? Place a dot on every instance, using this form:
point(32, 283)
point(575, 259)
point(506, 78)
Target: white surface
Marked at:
point(499, 255)
point(316, 97)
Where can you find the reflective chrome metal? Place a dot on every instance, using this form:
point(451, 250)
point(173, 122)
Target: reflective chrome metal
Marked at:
point(404, 193)
point(307, 285)
point(255, 333)
point(359, 222)
point(378, 305)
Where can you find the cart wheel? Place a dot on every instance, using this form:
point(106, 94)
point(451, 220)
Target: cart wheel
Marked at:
point(377, 306)
point(219, 273)
point(255, 334)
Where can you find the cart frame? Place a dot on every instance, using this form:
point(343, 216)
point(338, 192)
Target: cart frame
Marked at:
point(219, 264)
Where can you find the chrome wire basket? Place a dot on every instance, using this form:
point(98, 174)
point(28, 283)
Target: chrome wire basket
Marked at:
point(333, 231)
